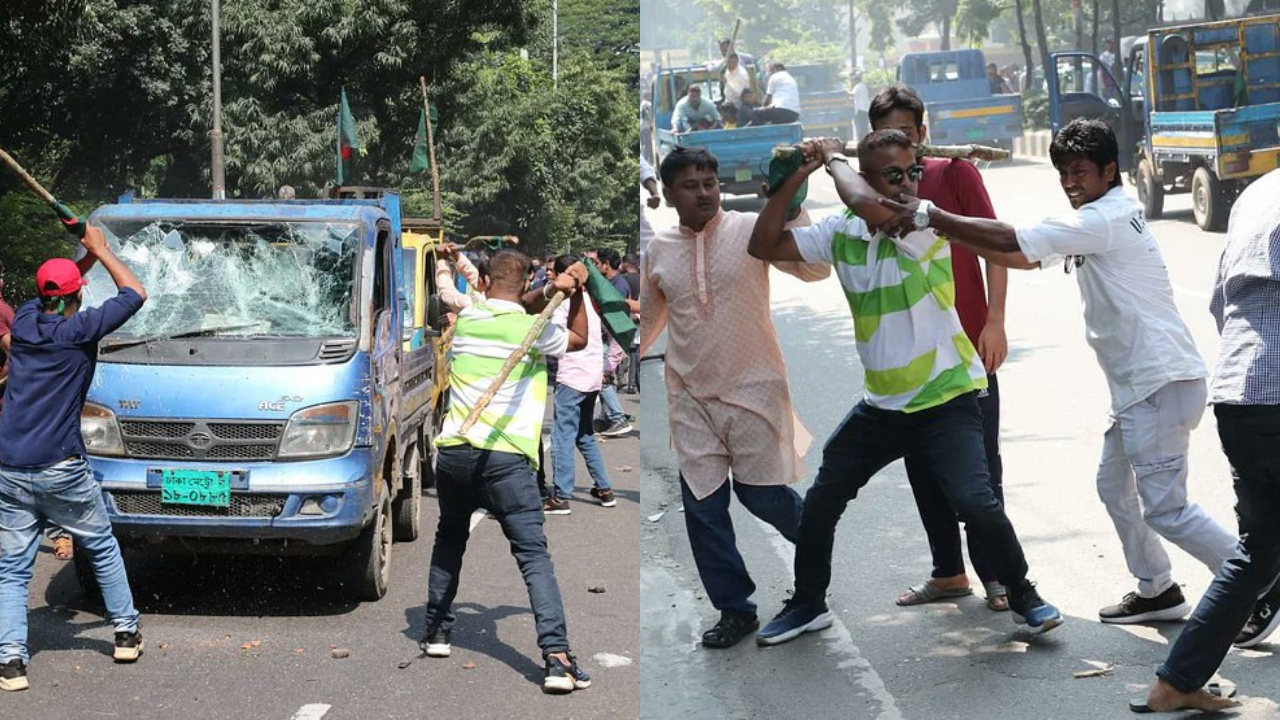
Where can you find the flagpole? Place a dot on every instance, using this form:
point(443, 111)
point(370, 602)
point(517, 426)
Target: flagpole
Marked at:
point(431, 150)
point(216, 168)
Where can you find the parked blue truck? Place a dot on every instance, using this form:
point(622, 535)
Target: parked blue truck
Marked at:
point(264, 399)
point(959, 106)
point(743, 153)
point(1197, 110)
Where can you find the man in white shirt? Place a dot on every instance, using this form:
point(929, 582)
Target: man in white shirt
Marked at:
point(861, 106)
point(1155, 374)
point(781, 100)
point(734, 79)
point(648, 181)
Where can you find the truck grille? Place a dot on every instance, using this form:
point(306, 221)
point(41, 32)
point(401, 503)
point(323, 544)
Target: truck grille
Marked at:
point(147, 502)
point(201, 439)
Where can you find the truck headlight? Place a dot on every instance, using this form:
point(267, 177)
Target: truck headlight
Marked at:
point(100, 430)
point(320, 431)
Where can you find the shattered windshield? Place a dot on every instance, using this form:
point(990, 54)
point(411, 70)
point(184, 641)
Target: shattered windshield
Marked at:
point(282, 279)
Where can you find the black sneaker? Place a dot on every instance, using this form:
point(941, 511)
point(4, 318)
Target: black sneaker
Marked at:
point(730, 631)
point(556, 506)
point(618, 429)
point(1262, 622)
point(561, 678)
point(605, 496)
point(1168, 605)
point(13, 676)
point(128, 646)
point(1031, 610)
point(436, 642)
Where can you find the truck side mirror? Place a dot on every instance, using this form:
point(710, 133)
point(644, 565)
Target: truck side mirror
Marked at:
point(435, 312)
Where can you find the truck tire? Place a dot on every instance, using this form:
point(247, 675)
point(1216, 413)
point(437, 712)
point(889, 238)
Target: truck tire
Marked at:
point(427, 458)
point(368, 560)
point(406, 511)
point(1209, 200)
point(1150, 191)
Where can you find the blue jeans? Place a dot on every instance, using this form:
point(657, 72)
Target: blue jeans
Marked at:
point(504, 484)
point(611, 404)
point(715, 549)
point(572, 427)
point(1248, 434)
point(65, 494)
point(936, 513)
point(946, 441)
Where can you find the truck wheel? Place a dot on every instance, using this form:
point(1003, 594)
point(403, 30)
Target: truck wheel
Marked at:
point(1209, 200)
point(85, 574)
point(369, 556)
point(1150, 191)
point(406, 513)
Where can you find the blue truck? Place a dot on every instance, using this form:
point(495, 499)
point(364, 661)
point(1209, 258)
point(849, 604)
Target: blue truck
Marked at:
point(826, 106)
point(264, 399)
point(959, 106)
point(1197, 110)
point(743, 153)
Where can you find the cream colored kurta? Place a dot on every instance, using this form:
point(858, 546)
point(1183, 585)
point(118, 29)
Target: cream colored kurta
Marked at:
point(727, 395)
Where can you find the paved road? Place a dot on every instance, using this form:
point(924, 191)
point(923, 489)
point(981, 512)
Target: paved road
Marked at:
point(197, 616)
point(955, 659)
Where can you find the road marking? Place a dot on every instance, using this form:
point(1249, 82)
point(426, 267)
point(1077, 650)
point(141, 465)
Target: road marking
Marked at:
point(1193, 293)
point(839, 641)
point(609, 660)
point(476, 517)
point(314, 711)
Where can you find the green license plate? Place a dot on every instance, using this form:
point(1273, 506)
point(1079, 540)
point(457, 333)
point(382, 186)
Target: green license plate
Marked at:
point(195, 487)
point(742, 175)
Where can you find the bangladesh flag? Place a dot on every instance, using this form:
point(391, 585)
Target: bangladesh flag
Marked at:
point(613, 307)
point(421, 161)
point(348, 144)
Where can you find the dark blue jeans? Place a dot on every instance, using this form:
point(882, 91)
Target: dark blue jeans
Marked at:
point(937, 515)
point(946, 441)
point(1248, 434)
point(715, 548)
point(504, 484)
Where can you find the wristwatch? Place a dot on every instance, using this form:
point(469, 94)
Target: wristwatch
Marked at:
point(835, 158)
point(922, 214)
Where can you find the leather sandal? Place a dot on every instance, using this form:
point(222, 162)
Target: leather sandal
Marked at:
point(731, 629)
point(63, 548)
point(927, 592)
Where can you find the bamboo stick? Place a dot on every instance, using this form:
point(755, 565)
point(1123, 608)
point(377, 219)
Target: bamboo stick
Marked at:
point(970, 152)
point(431, 150)
point(543, 318)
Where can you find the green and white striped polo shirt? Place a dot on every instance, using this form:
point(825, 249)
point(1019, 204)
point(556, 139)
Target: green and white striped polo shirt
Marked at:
point(902, 295)
point(487, 333)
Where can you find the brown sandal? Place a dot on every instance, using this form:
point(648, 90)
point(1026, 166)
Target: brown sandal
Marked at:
point(62, 548)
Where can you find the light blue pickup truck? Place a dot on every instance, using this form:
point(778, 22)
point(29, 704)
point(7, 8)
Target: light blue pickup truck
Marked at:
point(264, 399)
point(743, 153)
point(958, 103)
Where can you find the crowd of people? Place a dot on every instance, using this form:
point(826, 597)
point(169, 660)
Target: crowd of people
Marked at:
point(740, 104)
point(930, 337)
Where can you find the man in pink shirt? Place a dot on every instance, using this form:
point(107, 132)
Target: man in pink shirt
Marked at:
point(578, 382)
point(728, 402)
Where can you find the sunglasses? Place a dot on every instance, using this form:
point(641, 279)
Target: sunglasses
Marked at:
point(896, 176)
point(1072, 261)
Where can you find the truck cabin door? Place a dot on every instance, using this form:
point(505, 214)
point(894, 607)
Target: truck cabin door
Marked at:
point(387, 325)
point(1081, 86)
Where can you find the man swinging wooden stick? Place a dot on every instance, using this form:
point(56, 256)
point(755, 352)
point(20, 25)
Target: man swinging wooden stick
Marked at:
point(489, 462)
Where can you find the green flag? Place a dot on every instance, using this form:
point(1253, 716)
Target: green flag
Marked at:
point(613, 307)
point(782, 168)
point(421, 161)
point(348, 144)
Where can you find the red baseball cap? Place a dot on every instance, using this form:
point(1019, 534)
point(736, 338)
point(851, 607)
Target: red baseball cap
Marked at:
point(58, 277)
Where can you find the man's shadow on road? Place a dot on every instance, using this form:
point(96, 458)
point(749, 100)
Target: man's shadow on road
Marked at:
point(477, 631)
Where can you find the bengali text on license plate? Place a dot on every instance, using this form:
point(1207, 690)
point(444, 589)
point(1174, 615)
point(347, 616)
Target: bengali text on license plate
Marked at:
point(195, 487)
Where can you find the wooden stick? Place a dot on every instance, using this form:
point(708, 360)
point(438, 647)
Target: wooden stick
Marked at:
point(543, 318)
point(30, 182)
point(733, 41)
point(431, 150)
point(970, 152)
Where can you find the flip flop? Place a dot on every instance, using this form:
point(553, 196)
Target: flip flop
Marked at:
point(1216, 689)
point(927, 592)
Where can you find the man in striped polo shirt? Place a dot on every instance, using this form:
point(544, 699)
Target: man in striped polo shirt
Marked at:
point(922, 375)
point(492, 465)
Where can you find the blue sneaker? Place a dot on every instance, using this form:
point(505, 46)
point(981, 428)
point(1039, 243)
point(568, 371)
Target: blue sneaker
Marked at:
point(1031, 610)
point(797, 618)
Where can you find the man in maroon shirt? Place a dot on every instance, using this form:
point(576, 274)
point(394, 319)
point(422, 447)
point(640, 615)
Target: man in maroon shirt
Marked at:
point(956, 186)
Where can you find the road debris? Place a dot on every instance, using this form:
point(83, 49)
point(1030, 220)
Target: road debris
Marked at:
point(597, 590)
point(468, 665)
point(1099, 670)
point(339, 653)
point(404, 664)
point(609, 660)
point(656, 516)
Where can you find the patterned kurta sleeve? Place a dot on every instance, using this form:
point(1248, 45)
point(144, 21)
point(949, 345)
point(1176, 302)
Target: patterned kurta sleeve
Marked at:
point(653, 307)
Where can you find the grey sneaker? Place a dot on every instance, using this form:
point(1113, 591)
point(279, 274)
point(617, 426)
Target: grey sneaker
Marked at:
point(618, 429)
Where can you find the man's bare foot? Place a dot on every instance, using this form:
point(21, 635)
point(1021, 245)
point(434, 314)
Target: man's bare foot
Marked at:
point(1166, 698)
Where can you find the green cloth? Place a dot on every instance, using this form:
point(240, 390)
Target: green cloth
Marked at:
point(779, 170)
point(348, 144)
point(612, 306)
point(421, 161)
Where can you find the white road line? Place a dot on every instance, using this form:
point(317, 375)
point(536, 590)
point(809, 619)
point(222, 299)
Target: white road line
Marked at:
point(839, 641)
point(476, 517)
point(1193, 293)
point(314, 711)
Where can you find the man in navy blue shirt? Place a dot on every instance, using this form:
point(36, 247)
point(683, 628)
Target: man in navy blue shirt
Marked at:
point(44, 477)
